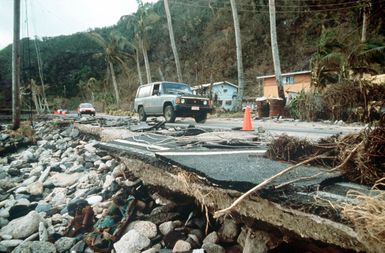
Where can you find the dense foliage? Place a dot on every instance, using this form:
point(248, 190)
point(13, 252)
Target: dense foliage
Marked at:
point(307, 31)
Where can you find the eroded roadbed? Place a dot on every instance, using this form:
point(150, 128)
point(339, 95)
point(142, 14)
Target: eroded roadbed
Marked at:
point(216, 177)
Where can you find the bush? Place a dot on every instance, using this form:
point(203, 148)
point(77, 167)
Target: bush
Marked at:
point(308, 106)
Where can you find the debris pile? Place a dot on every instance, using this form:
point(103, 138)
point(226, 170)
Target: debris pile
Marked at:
point(10, 140)
point(368, 216)
point(366, 151)
point(360, 156)
point(293, 149)
point(66, 195)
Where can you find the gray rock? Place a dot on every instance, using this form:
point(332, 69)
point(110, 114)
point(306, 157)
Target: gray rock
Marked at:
point(58, 197)
point(93, 200)
point(111, 163)
point(4, 137)
point(43, 234)
point(3, 248)
point(107, 182)
point(229, 231)
point(36, 188)
point(146, 228)
point(181, 246)
point(155, 249)
point(131, 242)
point(36, 170)
point(213, 248)
point(22, 227)
point(76, 168)
point(64, 243)
point(11, 243)
point(44, 174)
point(63, 179)
point(118, 171)
point(4, 213)
point(166, 227)
point(74, 133)
point(211, 238)
point(43, 207)
point(27, 156)
point(35, 247)
point(78, 247)
point(3, 222)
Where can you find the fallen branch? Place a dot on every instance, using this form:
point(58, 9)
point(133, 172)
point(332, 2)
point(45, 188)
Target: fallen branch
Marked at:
point(298, 179)
point(354, 150)
point(222, 212)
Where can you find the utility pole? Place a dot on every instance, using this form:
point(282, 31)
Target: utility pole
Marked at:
point(238, 45)
point(16, 67)
point(274, 49)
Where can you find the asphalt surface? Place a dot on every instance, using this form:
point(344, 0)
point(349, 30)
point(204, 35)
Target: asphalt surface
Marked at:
point(243, 170)
point(238, 168)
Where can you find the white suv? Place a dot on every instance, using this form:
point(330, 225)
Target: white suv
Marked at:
point(171, 100)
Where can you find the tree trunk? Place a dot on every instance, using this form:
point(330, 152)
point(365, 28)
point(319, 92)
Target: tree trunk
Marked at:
point(115, 84)
point(241, 78)
point(40, 68)
point(160, 74)
point(364, 24)
point(138, 67)
point(172, 39)
point(16, 66)
point(274, 49)
point(146, 64)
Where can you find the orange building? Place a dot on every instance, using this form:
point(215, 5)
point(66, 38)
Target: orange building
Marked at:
point(293, 83)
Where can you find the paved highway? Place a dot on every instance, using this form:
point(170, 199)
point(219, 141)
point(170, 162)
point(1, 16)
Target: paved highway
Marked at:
point(312, 130)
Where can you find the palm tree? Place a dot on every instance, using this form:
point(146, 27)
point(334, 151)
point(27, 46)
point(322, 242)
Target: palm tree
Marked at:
point(345, 56)
point(172, 39)
point(241, 78)
point(112, 52)
point(274, 49)
point(142, 21)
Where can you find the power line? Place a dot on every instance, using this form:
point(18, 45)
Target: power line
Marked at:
point(266, 11)
point(356, 2)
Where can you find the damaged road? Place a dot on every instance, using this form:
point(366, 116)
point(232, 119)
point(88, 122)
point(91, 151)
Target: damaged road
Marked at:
point(215, 168)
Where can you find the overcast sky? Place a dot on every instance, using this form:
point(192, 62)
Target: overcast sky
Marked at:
point(61, 17)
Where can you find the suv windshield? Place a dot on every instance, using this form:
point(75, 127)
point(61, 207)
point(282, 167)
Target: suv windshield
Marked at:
point(176, 88)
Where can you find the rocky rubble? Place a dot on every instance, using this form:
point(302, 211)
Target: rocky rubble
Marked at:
point(65, 195)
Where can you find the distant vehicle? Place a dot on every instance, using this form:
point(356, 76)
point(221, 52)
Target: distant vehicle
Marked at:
point(171, 100)
point(60, 111)
point(86, 108)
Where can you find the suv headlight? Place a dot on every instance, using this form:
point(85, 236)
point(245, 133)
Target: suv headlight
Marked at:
point(182, 101)
point(204, 102)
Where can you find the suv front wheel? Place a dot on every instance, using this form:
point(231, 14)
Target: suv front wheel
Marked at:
point(169, 114)
point(142, 114)
point(201, 118)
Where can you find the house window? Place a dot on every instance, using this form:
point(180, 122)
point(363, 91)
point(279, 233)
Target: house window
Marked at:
point(228, 102)
point(224, 90)
point(288, 80)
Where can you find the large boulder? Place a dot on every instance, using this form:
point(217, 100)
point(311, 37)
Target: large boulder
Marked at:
point(22, 227)
point(132, 242)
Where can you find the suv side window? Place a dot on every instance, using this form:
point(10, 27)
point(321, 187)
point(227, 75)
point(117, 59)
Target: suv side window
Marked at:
point(155, 91)
point(144, 91)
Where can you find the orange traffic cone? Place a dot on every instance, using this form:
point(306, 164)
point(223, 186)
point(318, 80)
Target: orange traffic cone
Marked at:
point(247, 125)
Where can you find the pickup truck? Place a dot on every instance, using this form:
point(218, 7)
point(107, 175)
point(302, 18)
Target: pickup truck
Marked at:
point(171, 100)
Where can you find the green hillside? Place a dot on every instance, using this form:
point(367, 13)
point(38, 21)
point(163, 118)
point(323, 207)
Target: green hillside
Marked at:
point(204, 34)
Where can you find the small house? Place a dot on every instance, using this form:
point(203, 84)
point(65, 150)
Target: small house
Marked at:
point(222, 93)
point(293, 83)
